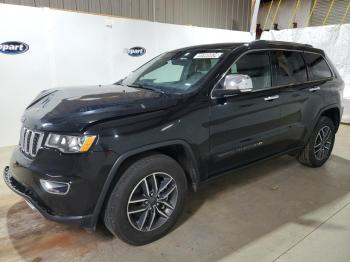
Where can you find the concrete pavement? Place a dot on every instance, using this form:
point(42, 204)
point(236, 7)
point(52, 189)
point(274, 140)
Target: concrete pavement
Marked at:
point(276, 210)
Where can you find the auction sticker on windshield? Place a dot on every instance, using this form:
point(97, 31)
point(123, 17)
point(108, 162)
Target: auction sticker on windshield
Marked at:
point(207, 55)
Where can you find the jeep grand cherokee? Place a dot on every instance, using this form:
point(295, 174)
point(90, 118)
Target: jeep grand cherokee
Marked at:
point(127, 153)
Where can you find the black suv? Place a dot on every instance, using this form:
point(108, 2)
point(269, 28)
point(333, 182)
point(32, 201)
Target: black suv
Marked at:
point(127, 153)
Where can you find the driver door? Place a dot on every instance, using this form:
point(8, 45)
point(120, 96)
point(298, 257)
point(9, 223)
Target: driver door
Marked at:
point(245, 127)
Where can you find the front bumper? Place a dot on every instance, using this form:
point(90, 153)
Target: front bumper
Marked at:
point(85, 173)
point(30, 196)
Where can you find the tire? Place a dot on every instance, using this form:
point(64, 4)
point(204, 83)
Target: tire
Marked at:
point(317, 151)
point(122, 217)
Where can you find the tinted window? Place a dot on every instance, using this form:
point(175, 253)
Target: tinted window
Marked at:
point(318, 66)
point(257, 66)
point(289, 68)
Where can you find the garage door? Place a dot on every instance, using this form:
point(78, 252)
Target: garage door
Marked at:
point(335, 16)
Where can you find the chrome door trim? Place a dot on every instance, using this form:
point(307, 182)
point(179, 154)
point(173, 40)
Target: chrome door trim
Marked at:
point(271, 98)
point(313, 89)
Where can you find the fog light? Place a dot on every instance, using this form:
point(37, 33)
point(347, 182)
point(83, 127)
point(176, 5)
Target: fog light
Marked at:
point(52, 187)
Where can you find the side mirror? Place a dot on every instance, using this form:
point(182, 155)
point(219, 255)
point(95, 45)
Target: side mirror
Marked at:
point(240, 83)
point(234, 84)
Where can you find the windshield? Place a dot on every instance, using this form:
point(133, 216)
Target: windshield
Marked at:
point(175, 72)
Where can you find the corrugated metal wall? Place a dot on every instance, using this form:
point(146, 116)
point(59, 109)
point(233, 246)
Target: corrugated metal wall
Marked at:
point(226, 14)
point(335, 16)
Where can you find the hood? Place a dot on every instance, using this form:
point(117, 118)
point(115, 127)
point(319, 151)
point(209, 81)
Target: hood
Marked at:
point(72, 109)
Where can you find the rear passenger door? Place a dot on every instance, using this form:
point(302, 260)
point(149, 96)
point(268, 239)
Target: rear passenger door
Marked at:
point(321, 85)
point(300, 96)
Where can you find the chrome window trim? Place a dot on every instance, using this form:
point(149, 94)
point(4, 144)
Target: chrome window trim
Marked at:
point(274, 87)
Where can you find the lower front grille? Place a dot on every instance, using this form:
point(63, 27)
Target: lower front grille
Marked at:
point(30, 141)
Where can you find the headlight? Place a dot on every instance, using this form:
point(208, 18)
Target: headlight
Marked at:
point(70, 144)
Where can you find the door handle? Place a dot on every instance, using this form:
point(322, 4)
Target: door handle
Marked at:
point(314, 89)
point(271, 98)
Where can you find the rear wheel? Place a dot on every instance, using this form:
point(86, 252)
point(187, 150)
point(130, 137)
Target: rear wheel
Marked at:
point(320, 145)
point(147, 200)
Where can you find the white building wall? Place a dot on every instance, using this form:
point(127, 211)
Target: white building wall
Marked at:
point(72, 49)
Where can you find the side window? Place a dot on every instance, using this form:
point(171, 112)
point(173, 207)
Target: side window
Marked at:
point(289, 68)
point(198, 69)
point(257, 66)
point(319, 68)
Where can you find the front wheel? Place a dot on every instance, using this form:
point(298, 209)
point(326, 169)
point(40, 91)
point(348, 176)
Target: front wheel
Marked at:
point(147, 200)
point(320, 146)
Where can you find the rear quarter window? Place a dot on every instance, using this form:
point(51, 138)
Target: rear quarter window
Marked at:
point(318, 66)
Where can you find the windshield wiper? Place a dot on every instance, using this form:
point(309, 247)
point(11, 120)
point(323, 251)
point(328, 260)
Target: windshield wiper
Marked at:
point(152, 88)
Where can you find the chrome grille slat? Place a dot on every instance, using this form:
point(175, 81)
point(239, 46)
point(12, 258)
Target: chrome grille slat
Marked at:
point(25, 140)
point(35, 143)
point(29, 136)
point(21, 138)
point(30, 142)
point(40, 141)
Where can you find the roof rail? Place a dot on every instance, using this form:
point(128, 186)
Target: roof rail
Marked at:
point(268, 42)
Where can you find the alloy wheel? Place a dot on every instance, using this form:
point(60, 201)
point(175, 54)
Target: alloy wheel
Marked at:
point(323, 143)
point(152, 201)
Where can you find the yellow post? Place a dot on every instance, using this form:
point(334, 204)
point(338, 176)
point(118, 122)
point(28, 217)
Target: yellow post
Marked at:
point(346, 13)
point(329, 11)
point(294, 12)
point(276, 12)
point(268, 14)
point(312, 12)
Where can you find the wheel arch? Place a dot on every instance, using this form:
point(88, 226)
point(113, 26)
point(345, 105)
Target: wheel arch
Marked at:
point(331, 111)
point(179, 150)
point(334, 114)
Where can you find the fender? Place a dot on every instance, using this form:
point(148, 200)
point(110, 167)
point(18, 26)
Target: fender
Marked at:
point(113, 172)
point(308, 135)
